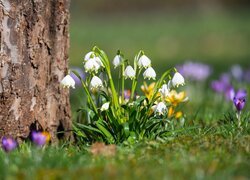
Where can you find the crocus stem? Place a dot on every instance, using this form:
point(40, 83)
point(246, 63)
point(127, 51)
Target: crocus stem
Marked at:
point(238, 114)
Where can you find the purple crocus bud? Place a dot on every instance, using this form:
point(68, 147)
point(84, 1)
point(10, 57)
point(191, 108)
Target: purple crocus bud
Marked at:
point(229, 93)
point(80, 72)
point(240, 99)
point(38, 138)
point(8, 144)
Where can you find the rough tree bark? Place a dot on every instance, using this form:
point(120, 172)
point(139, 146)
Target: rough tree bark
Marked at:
point(33, 59)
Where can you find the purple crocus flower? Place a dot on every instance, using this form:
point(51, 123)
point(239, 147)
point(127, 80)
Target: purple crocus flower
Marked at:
point(240, 99)
point(224, 86)
point(80, 72)
point(195, 71)
point(38, 138)
point(8, 144)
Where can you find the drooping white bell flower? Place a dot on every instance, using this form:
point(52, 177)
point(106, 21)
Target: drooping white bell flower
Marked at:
point(88, 55)
point(164, 90)
point(98, 60)
point(149, 73)
point(68, 82)
point(117, 61)
point(105, 106)
point(144, 61)
point(91, 65)
point(95, 83)
point(160, 108)
point(129, 72)
point(177, 80)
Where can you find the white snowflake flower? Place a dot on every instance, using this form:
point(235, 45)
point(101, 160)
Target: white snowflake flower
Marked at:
point(68, 82)
point(149, 73)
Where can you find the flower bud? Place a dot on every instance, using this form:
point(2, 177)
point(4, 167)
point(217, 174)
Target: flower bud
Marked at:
point(117, 61)
point(105, 106)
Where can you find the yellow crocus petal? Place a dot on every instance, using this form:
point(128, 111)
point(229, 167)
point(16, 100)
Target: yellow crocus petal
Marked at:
point(148, 90)
point(47, 135)
point(175, 98)
point(170, 111)
point(178, 115)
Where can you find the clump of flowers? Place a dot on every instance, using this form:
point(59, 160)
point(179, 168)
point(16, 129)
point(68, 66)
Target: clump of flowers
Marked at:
point(40, 138)
point(120, 114)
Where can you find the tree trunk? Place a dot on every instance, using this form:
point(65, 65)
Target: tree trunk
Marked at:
point(33, 59)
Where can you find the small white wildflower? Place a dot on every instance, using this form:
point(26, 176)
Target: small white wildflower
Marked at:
point(88, 55)
point(149, 73)
point(68, 82)
point(105, 106)
point(144, 61)
point(117, 61)
point(160, 108)
point(95, 83)
point(91, 65)
point(99, 61)
point(177, 80)
point(164, 90)
point(129, 72)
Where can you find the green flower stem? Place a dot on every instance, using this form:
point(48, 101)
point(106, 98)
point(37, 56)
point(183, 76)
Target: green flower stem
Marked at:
point(89, 96)
point(135, 80)
point(106, 64)
point(238, 115)
point(134, 84)
point(122, 77)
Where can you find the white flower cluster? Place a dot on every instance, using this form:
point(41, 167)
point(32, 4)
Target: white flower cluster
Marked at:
point(92, 63)
point(143, 62)
point(176, 81)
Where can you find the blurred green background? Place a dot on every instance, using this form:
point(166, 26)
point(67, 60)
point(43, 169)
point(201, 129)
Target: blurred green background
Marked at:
point(169, 31)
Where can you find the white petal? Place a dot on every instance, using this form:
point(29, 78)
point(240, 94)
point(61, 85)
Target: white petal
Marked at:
point(117, 61)
point(144, 61)
point(177, 80)
point(88, 55)
point(149, 73)
point(95, 83)
point(105, 106)
point(164, 90)
point(68, 82)
point(129, 72)
point(92, 65)
point(160, 108)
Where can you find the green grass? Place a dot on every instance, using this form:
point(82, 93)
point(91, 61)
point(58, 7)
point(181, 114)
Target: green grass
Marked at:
point(200, 153)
